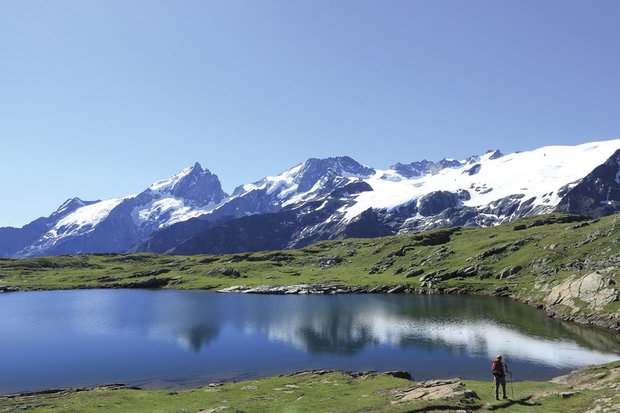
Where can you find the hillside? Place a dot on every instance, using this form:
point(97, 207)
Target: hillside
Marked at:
point(563, 263)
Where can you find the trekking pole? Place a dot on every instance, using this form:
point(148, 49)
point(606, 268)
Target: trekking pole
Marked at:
point(512, 389)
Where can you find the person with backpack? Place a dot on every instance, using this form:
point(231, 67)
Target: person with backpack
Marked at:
point(499, 370)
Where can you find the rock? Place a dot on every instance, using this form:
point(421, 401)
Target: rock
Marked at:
point(434, 390)
point(501, 291)
point(152, 273)
point(396, 290)
point(8, 289)
point(467, 271)
point(329, 261)
point(399, 374)
point(436, 202)
point(225, 271)
point(150, 283)
point(414, 272)
point(214, 410)
point(508, 272)
point(594, 289)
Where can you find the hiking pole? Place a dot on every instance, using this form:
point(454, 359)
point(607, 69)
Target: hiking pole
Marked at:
point(512, 389)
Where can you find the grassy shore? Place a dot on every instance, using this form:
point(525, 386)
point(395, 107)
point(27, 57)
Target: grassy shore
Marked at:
point(525, 260)
point(340, 392)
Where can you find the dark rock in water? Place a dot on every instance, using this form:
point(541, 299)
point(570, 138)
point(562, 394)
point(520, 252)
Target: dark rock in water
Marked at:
point(8, 289)
point(225, 271)
point(396, 290)
point(399, 374)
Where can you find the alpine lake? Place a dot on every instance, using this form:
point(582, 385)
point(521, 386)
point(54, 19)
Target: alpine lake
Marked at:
point(178, 339)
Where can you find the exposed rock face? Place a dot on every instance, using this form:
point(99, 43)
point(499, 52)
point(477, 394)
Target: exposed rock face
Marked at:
point(598, 194)
point(594, 290)
point(437, 202)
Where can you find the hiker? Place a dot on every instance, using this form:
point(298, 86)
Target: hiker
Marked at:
point(499, 370)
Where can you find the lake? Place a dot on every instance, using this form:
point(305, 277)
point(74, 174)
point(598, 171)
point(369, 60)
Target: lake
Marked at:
point(175, 339)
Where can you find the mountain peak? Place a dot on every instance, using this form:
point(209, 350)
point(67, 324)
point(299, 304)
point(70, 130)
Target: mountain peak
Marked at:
point(71, 205)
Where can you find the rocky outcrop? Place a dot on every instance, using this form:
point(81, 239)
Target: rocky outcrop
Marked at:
point(594, 291)
point(581, 299)
point(450, 389)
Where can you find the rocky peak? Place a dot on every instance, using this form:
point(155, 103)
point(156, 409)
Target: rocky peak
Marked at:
point(199, 185)
point(315, 169)
point(493, 154)
point(424, 167)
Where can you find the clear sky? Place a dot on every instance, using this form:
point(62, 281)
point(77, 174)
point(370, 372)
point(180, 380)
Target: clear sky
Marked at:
point(100, 98)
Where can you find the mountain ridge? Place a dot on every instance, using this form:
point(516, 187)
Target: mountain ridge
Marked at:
point(330, 198)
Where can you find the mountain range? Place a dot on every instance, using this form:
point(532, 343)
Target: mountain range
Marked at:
point(329, 198)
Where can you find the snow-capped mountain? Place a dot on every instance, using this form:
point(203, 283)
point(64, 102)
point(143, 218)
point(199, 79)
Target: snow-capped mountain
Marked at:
point(114, 225)
point(338, 197)
point(330, 198)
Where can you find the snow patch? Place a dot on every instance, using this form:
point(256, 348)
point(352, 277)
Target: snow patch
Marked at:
point(85, 219)
point(534, 174)
point(168, 184)
point(167, 211)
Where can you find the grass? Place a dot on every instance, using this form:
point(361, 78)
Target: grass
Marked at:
point(335, 392)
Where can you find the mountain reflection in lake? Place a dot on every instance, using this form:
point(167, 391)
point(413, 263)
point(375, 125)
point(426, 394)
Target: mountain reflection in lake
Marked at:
point(181, 338)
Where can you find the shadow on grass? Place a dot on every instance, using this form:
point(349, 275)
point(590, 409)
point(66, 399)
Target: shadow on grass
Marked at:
point(526, 401)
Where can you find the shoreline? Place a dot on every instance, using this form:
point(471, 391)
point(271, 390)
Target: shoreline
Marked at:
point(312, 390)
point(608, 322)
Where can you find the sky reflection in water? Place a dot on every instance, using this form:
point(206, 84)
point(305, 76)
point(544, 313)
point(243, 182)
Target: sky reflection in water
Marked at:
point(181, 338)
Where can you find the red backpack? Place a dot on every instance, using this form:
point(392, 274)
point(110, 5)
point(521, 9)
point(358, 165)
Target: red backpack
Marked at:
point(497, 366)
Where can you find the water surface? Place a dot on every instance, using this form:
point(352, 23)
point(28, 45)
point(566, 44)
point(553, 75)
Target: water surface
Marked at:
point(169, 339)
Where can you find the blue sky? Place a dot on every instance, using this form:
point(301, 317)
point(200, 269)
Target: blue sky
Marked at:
point(100, 98)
